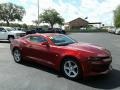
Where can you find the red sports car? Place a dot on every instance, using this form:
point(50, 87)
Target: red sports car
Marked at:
point(74, 59)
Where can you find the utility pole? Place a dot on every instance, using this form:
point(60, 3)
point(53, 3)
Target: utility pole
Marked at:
point(38, 14)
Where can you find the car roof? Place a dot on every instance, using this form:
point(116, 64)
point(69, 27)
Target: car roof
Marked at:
point(46, 34)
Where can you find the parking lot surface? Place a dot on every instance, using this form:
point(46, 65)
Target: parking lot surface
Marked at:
point(32, 76)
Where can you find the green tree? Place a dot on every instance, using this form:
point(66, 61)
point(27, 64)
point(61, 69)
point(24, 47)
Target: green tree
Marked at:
point(52, 17)
point(11, 12)
point(117, 17)
point(24, 26)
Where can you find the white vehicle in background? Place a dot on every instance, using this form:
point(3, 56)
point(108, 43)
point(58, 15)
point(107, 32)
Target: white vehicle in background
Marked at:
point(117, 31)
point(9, 33)
point(111, 30)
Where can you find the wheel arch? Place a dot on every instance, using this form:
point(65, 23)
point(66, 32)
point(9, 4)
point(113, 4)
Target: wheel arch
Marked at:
point(15, 48)
point(78, 62)
point(21, 56)
point(11, 36)
point(68, 56)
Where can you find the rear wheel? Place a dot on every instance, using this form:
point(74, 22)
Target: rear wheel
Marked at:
point(17, 55)
point(71, 68)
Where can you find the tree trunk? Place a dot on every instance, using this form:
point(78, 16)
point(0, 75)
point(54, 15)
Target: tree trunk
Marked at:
point(52, 25)
point(7, 23)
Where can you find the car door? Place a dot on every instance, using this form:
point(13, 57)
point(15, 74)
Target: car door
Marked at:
point(36, 50)
point(3, 33)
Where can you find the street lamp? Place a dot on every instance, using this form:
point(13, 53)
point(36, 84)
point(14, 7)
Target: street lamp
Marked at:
point(38, 13)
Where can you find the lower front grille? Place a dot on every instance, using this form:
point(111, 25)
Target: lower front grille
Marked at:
point(100, 68)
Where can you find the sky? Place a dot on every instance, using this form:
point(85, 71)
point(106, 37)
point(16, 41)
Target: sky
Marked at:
point(95, 10)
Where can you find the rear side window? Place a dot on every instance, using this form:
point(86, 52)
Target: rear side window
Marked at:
point(37, 39)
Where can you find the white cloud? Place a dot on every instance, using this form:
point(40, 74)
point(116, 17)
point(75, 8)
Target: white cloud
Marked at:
point(32, 10)
point(31, 14)
point(3, 1)
point(95, 10)
point(23, 1)
point(100, 11)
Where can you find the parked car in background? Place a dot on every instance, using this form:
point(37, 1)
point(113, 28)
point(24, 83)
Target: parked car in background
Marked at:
point(56, 30)
point(111, 30)
point(117, 31)
point(59, 30)
point(8, 33)
point(18, 28)
point(114, 30)
point(40, 30)
point(49, 30)
point(35, 30)
point(74, 59)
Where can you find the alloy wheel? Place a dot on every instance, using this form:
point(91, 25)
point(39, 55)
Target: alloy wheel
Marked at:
point(17, 55)
point(71, 69)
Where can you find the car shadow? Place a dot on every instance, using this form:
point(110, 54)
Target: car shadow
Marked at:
point(4, 41)
point(30, 63)
point(109, 81)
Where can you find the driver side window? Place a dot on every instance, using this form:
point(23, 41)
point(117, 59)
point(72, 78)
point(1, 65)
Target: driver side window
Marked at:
point(37, 39)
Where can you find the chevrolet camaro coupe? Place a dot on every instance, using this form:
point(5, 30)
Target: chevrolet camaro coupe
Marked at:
point(62, 53)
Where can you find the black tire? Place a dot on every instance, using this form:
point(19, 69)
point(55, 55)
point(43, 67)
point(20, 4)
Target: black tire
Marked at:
point(78, 69)
point(17, 56)
point(10, 38)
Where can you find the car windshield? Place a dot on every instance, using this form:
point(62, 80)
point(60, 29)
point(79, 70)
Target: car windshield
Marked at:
point(61, 40)
point(10, 29)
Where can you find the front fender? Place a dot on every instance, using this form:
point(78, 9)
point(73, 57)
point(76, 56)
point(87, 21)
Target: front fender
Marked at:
point(66, 55)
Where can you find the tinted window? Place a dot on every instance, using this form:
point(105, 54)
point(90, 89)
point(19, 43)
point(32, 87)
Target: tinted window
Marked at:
point(1, 29)
point(37, 39)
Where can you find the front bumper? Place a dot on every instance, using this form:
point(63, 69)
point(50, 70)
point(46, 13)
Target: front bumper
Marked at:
point(101, 73)
point(91, 68)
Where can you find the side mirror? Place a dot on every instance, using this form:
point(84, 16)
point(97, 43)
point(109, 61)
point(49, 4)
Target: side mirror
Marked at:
point(46, 44)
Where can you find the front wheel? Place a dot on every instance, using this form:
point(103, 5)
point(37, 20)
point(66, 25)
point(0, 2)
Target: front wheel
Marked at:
point(71, 69)
point(17, 56)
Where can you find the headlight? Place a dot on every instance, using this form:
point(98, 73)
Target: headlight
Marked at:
point(107, 51)
point(94, 58)
point(107, 58)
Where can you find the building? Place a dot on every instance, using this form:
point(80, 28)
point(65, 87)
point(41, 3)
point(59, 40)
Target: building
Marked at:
point(76, 24)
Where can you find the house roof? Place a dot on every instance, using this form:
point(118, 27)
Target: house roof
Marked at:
point(78, 19)
point(77, 22)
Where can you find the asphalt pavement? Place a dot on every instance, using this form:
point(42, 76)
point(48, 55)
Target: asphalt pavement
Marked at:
point(32, 76)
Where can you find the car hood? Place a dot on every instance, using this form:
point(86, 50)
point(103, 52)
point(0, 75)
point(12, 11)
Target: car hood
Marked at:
point(17, 31)
point(89, 48)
